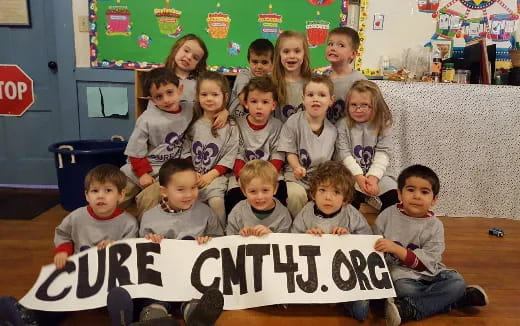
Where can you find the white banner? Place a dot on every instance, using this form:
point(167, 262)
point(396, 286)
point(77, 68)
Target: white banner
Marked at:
point(250, 272)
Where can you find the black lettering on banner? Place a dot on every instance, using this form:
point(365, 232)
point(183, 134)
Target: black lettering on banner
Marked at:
point(234, 272)
point(84, 290)
point(311, 284)
point(360, 264)
point(197, 266)
point(339, 260)
point(258, 251)
point(288, 268)
point(42, 293)
point(373, 261)
point(117, 255)
point(147, 275)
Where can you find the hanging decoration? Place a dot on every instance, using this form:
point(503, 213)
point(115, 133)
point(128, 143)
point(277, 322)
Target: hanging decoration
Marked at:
point(270, 24)
point(317, 31)
point(320, 3)
point(168, 20)
point(218, 23)
point(343, 22)
point(118, 20)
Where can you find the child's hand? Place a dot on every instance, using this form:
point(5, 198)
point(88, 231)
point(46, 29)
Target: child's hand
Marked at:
point(207, 178)
point(339, 230)
point(261, 230)
point(104, 243)
point(300, 172)
point(156, 238)
point(247, 231)
point(202, 240)
point(385, 245)
point(361, 180)
point(60, 259)
point(221, 119)
point(145, 180)
point(372, 183)
point(315, 231)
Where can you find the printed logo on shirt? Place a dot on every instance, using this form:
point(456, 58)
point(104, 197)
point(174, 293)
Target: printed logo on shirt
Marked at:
point(204, 155)
point(364, 156)
point(173, 140)
point(256, 155)
point(305, 158)
point(289, 110)
point(335, 111)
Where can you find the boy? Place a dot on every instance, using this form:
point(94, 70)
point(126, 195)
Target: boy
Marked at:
point(259, 133)
point(96, 225)
point(179, 216)
point(414, 243)
point(260, 58)
point(261, 213)
point(331, 190)
point(342, 47)
point(158, 134)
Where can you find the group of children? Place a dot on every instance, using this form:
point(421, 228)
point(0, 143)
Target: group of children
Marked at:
point(283, 151)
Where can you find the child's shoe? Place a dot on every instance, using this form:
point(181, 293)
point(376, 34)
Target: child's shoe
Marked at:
point(392, 315)
point(474, 296)
point(120, 307)
point(357, 309)
point(204, 311)
point(153, 311)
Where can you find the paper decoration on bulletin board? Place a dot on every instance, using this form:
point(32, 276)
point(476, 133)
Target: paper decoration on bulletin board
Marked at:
point(363, 16)
point(379, 20)
point(320, 3)
point(118, 20)
point(317, 31)
point(428, 5)
point(502, 26)
point(226, 26)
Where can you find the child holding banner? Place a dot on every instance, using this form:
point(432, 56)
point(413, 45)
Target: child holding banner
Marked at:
point(332, 190)
point(261, 213)
point(414, 243)
point(179, 216)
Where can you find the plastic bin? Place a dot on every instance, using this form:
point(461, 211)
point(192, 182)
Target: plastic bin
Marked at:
point(73, 160)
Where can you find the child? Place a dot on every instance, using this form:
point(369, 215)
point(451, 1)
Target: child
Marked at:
point(414, 242)
point(308, 139)
point(291, 70)
point(178, 216)
point(259, 134)
point(261, 213)
point(332, 189)
point(364, 143)
point(260, 59)
point(96, 225)
point(212, 151)
point(341, 50)
point(157, 135)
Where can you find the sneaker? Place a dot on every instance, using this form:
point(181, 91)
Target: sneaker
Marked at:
point(163, 321)
point(120, 307)
point(374, 201)
point(357, 309)
point(206, 310)
point(392, 316)
point(474, 296)
point(153, 311)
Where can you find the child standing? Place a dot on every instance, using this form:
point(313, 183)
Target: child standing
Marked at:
point(260, 59)
point(342, 47)
point(364, 143)
point(331, 190)
point(261, 213)
point(212, 151)
point(414, 242)
point(292, 68)
point(259, 134)
point(308, 139)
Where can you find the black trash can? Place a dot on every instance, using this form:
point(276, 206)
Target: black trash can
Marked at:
point(73, 160)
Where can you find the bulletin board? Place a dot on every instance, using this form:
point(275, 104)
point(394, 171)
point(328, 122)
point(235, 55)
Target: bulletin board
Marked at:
point(128, 34)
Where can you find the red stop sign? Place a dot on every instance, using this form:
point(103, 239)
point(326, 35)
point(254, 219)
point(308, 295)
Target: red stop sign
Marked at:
point(16, 90)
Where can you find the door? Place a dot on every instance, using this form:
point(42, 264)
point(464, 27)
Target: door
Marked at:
point(24, 158)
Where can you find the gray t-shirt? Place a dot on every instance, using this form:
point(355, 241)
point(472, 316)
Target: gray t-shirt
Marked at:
point(85, 231)
point(259, 144)
point(199, 220)
point(242, 216)
point(235, 109)
point(341, 87)
point(294, 101)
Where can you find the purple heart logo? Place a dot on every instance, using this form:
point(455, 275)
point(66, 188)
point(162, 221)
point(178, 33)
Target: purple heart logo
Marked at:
point(173, 140)
point(256, 155)
point(335, 112)
point(204, 154)
point(364, 155)
point(289, 110)
point(305, 158)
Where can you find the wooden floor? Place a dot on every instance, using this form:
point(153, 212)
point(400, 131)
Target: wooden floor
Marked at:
point(492, 262)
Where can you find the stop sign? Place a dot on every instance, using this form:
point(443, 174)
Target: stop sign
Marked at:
point(16, 90)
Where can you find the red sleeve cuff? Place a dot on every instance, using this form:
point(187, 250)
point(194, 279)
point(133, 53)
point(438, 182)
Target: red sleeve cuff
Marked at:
point(413, 262)
point(239, 164)
point(278, 164)
point(140, 165)
point(67, 247)
point(221, 169)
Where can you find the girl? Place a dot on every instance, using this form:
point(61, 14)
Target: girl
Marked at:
point(308, 139)
point(364, 144)
point(291, 69)
point(212, 151)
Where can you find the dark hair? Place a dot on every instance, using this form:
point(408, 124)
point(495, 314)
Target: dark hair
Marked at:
point(349, 33)
point(262, 84)
point(320, 79)
point(171, 167)
point(158, 77)
point(106, 173)
point(335, 174)
point(419, 171)
point(261, 46)
point(201, 66)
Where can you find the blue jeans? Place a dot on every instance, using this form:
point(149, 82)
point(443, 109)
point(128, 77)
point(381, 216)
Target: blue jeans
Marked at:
point(431, 297)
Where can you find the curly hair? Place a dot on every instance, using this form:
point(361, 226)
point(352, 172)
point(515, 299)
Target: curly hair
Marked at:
point(333, 173)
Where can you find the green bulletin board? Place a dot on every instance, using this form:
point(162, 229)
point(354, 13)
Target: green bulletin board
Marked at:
point(128, 34)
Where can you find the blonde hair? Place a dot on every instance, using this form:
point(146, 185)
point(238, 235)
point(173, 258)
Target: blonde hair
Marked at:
point(335, 174)
point(201, 66)
point(258, 169)
point(381, 115)
point(278, 69)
